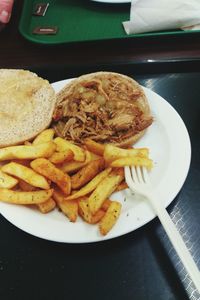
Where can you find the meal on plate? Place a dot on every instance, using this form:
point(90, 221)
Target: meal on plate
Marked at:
point(49, 168)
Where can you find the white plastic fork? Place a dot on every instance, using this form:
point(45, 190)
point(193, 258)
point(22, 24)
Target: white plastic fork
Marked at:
point(138, 181)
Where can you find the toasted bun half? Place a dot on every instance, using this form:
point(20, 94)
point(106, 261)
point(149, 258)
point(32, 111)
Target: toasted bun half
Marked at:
point(107, 107)
point(26, 105)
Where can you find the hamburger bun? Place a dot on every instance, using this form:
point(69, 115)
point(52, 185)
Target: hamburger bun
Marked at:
point(107, 107)
point(26, 106)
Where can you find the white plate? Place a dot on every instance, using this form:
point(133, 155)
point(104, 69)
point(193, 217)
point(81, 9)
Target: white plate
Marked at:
point(112, 1)
point(169, 145)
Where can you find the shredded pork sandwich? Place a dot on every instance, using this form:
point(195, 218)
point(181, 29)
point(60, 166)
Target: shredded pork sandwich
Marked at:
point(104, 106)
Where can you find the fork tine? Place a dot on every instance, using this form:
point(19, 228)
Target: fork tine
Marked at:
point(128, 175)
point(139, 174)
point(145, 175)
point(134, 174)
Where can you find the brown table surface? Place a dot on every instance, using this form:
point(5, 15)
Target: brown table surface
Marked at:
point(16, 52)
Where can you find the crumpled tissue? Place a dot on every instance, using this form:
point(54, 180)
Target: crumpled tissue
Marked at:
point(159, 15)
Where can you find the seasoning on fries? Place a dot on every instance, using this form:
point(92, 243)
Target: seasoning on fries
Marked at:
point(27, 151)
point(86, 214)
point(104, 190)
point(110, 218)
point(88, 172)
point(45, 136)
point(47, 206)
point(25, 198)
point(69, 208)
point(54, 173)
point(46, 168)
point(27, 174)
point(62, 145)
point(7, 181)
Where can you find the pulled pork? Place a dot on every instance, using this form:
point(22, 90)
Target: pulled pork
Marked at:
point(104, 110)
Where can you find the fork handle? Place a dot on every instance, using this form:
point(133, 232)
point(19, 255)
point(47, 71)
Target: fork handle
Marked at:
point(177, 241)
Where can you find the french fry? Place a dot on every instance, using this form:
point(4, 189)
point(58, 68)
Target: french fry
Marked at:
point(60, 157)
point(62, 145)
point(132, 161)
point(90, 186)
point(110, 217)
point(88, 172)
point(104, 189)
point(46, 168)
point(27, 152)
point(50, 204)
point(122, 186)
point(106, 204)
point(26, 198)
point(73, 166)
point(112, 152)
point(96, 171)
point(69, 208)
point(24, 162)
point(47, 206)
point(44, 207)
point(94, 156)
point(7, 181)
point(45, 136)
point(94, 147)
point(27, 174)
point(84, 212)
point(25, 186)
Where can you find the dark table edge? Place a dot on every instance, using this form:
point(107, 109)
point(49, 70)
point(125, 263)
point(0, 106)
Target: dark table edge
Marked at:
point(147, 66)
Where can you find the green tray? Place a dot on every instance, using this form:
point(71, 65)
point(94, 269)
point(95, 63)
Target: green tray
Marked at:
point(80, 20)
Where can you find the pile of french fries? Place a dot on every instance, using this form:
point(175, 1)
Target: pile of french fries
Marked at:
point(52, 172)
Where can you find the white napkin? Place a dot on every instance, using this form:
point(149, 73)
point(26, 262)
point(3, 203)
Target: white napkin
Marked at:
point(157, 15)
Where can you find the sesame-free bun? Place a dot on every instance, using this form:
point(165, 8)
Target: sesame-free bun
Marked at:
point(107, 107)
point(26, 106)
